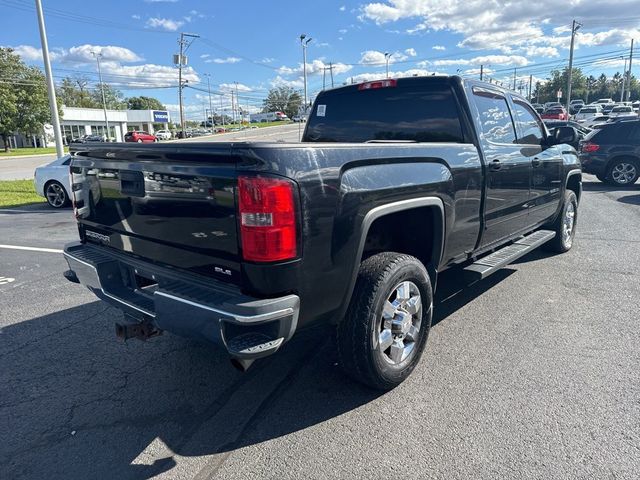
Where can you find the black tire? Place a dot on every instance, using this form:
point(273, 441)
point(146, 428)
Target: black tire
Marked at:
point(56, 195)
point(562, 243)
point(623, 172)
point(360, 333)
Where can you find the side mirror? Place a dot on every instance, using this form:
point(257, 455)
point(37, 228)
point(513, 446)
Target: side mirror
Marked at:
point(564, 135)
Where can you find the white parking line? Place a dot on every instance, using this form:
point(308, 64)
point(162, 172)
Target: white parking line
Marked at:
point(32, 249)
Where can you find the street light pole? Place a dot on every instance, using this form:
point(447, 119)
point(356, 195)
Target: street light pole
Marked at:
point(387, 56)
point(104, 101)
point(304, 41)
point(629, 72)
point(53, 104)
point(575, 26)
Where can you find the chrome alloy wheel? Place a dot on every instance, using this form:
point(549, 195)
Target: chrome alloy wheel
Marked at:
point(623, 173)
point(567, 225)
point(56, 195)
point(399, 324)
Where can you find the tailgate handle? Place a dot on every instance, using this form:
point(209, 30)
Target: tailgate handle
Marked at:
point(132, 183)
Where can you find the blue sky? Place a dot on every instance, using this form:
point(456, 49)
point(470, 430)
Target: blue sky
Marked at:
point(256, 43)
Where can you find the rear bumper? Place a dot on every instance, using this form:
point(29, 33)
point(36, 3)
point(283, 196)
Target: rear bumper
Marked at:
point(184, 305)
point(593, 163)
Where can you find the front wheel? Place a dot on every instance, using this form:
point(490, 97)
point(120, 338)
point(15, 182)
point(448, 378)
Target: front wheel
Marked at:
point(385, 329)
point(565, 225)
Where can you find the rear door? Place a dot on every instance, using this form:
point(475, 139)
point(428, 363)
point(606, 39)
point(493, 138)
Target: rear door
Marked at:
point(508, 169)
point(546, 163)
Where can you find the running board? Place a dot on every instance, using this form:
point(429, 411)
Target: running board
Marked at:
point(485, 266)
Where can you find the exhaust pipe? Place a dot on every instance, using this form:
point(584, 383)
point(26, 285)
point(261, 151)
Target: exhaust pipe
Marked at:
point(241, 364)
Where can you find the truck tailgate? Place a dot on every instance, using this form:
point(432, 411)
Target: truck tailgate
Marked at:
point(168, 204)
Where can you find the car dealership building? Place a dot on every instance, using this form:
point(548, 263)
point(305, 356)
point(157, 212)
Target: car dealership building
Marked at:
point(76, 122)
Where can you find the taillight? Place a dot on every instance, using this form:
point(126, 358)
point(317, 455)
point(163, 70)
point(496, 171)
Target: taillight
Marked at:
point(267, 219)
point(589, 147)
point(377, 84)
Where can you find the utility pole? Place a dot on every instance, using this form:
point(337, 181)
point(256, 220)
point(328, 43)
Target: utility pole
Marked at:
point(238, 103)
point(530, 85)
point(623, 80)
point(208, 75)
point(53, 104)
point(387, 56)
point(515, 70)
point(304, 41)
point(104, 101)
point(481, 71)
point(575, 26)
point(629, 72)
point(181, 61)
point(331, 72)
point(222, 109)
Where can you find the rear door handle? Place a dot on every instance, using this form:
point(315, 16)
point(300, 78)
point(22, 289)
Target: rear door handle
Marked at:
point(495, 164)
point(536, 162)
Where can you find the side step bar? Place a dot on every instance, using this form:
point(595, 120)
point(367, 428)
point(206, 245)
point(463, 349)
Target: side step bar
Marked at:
point(485, 266)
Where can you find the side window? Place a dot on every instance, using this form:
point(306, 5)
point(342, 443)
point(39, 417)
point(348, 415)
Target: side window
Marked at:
point(67, 161)
point(495, 118)
point(527, 123)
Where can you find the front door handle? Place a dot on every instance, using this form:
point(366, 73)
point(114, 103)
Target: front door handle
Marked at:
point(536, 162)
point(495, 164)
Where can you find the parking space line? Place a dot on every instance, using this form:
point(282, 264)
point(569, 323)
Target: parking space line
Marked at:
point(32, 249)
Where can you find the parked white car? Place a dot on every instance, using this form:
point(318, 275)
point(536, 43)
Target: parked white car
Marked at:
point(623, 111)
point(52, 182)
point(163, 134)
point(587, 113)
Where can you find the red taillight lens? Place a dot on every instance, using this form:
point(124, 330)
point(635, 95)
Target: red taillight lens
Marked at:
point(267, 219)
point(377, 84)
point(589, 147)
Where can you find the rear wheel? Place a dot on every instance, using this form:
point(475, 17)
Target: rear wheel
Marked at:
point(565, 225)
point(383, 334)
point(56, 195)
point(623, 172)
point(139, 140)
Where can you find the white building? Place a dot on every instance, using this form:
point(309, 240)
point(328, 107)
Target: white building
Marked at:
point(76, 122)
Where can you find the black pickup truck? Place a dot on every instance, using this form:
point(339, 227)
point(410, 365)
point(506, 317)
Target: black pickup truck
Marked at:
point(243, 244)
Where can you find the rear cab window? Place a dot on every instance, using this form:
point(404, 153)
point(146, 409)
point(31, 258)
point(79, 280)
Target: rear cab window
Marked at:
point(423, 110)
point(495, 119)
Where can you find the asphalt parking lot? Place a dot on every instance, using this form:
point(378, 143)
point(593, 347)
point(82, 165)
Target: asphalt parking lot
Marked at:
point(532, 373)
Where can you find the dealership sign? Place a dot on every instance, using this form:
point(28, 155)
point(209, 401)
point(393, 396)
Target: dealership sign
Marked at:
point(160, 116)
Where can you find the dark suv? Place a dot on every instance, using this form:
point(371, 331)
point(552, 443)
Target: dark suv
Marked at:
point(612, 153)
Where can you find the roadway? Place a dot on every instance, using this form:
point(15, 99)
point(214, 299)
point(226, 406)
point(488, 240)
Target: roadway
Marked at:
point(532, 373)
point(23, 167)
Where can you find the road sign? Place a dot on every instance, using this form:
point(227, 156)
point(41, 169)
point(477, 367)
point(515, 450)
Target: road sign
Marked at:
point(559, 94)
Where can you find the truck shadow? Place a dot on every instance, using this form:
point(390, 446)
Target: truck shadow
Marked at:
point(76, 403)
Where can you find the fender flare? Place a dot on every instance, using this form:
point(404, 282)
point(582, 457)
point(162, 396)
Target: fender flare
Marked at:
point(575, 171)
point(390, 208)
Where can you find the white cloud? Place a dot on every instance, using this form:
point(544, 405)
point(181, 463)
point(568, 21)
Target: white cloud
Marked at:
point(146, 75)
point(205, 55)
point(508, 26)
point(167, 24)
point(413, 72)
point(316, 67)
point(80, 54)
point(136, 17)
point(343, 31)
point(228, 87)
point(411, 52)
point(516, 60)
point(267, 60)
point(283, 82)
point(374, 57)
point(223, 60)
point(438, 47)
point(342, 8)
point(533, 51)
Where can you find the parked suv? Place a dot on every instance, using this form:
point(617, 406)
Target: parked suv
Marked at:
point(139, 137)
point(612, 153)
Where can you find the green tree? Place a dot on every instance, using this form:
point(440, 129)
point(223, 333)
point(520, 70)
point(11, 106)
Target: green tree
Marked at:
point(283, 99)
point(24, 104)
point(113, 97)
point(144, 103)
